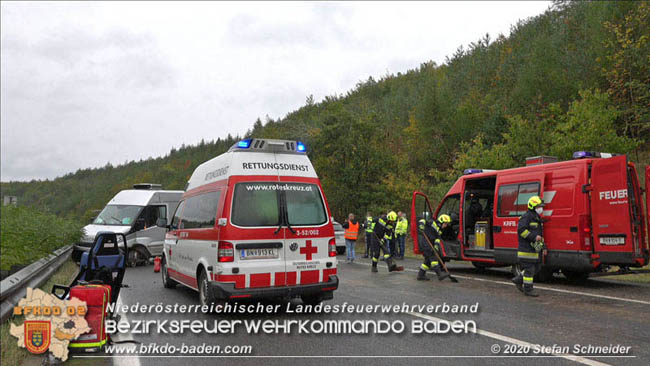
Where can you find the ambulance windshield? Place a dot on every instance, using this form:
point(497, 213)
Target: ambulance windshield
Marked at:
point(258, 204)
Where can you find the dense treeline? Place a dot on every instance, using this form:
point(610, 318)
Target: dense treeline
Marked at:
point(574, 78)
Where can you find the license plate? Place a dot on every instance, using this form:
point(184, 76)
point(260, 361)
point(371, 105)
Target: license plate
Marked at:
point(262, 253)
point(612, 240)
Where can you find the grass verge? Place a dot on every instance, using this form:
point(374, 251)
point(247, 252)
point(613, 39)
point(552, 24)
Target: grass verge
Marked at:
point(10, 353)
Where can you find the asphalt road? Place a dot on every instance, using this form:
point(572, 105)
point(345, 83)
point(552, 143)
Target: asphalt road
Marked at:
point(598, 313)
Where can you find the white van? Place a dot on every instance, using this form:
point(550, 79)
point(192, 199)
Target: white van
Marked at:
point(134, 212)
point(254, 222)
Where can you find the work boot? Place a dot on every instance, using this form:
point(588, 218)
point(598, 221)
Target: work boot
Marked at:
point(530, 292)
point(422, 275)
point(519, 283)
point(441, 274)
point(373, 269)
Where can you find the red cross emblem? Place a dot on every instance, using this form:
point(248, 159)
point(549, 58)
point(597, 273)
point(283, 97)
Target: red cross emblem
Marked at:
point(308, 250)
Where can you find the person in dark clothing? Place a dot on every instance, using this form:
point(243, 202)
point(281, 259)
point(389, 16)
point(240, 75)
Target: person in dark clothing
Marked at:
point(531, 243)
point(368, 226)
point(433, 231)
point(384, 226)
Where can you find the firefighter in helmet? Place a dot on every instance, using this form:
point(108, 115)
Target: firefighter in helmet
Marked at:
point(433, 231)
point(384, 227)
point(531, 244)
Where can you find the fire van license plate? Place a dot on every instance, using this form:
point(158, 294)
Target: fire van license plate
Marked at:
point(612, 240)
point(263, 253)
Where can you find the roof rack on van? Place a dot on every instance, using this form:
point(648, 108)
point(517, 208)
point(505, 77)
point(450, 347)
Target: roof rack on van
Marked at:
point(539, 160)
point(285, 146)
point(147, 186)
point(592, 154)
point(476, 171)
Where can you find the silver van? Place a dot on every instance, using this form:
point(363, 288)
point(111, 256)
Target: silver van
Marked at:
point(135, 213)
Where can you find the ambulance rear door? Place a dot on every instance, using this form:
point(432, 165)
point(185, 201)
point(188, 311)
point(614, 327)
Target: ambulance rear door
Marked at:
point(308, 231)
point(611, 212)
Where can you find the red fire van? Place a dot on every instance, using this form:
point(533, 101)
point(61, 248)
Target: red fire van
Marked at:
point(253, 222)
point(593, 215)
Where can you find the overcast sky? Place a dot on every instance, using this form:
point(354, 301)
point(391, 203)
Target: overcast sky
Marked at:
point(87, 83)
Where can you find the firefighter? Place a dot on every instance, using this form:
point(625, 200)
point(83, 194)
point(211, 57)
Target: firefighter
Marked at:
point(400, 230)
point(369, 225)
point(531, 243)
point(433, 231)
point(383, 227)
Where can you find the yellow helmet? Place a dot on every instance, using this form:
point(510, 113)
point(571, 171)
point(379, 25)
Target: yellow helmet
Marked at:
point(444, 219)
point(392, 216)
point(534, 201)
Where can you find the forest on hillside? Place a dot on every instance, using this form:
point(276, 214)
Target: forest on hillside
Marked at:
point(574, 78)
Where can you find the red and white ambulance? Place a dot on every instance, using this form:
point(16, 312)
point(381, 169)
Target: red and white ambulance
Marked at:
point(253, 222)
point(593, 214)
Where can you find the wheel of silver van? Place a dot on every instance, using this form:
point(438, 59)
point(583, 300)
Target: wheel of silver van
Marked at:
point(167, 282)
point(136, 257)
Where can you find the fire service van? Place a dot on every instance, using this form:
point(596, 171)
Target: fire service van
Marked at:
point(593, 214)
point(253, 222)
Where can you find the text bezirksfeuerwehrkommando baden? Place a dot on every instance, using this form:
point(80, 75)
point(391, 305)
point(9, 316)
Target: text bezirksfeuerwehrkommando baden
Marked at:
point(259, 308)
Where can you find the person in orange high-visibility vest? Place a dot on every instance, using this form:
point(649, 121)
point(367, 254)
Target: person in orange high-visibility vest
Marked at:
point(351, 233)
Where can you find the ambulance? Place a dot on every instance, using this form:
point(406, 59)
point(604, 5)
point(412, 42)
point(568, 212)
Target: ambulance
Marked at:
point(253, 223)
point(593, 214)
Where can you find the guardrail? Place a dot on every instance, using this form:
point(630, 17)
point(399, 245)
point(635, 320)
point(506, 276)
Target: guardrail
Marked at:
point(14, 287)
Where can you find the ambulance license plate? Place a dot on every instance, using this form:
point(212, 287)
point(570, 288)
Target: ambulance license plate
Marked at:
point(262, 253)
point(609, 240)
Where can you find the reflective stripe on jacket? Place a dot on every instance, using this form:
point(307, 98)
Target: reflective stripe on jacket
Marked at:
point(351, 231)
point(402, 227)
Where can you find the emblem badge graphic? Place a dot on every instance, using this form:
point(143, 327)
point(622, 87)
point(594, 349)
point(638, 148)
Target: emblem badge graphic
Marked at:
point(37, 335)
point(293, 246)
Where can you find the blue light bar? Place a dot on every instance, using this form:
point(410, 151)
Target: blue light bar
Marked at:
point(583, 154)
point(300, 147)
point(245, 144)
point(472, 171)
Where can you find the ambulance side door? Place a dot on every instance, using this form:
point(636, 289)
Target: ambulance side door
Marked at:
point(171, 238)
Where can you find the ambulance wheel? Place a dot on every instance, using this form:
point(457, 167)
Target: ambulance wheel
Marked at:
point(576, 277)
point(167, 282)
point(205, 297)
point(340, 250)
point(312, 299)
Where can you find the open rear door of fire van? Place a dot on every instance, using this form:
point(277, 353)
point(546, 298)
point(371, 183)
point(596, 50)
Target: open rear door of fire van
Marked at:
point(614, 222)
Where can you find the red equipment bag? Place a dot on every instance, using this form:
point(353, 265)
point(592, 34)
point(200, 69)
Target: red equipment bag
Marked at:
point(97, 298)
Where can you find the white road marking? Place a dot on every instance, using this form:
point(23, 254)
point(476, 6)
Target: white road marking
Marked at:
point(540, 287)
point(125, 360)
point(579, 359)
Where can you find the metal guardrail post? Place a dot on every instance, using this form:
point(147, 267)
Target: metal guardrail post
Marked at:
point(14, 287)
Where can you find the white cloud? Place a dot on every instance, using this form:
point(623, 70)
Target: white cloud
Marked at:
point(85, 83)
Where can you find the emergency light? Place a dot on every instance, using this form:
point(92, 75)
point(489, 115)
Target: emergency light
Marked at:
point(475, 171)
point(300, 147)
point(592, 154)
point(244, 144)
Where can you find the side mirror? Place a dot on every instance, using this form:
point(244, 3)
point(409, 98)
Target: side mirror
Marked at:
point(161, 222)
